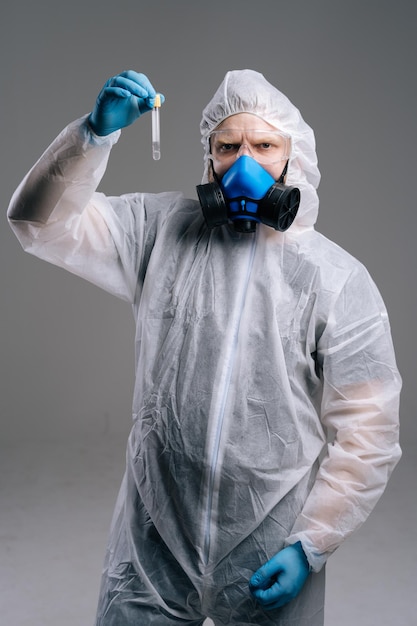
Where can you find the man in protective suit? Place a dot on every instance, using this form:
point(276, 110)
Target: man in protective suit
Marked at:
point(265, 411)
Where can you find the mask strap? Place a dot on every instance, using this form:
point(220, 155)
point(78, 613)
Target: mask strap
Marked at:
point(283, 175)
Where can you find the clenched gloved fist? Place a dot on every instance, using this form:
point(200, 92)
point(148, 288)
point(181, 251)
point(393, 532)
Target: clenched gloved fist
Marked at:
point(122, 100)
point(281, 578)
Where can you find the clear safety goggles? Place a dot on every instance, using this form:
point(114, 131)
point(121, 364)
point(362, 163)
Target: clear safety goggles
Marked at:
point(265, 146)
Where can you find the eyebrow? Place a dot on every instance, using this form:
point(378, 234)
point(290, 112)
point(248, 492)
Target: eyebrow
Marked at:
point(258, 132)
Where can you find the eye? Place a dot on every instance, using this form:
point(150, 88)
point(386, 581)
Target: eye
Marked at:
point(228, 147)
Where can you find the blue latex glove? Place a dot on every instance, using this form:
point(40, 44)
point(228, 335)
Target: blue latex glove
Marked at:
point(281, 578)
point(122, 100)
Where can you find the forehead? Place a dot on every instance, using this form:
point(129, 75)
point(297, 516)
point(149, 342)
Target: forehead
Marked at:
point(244, 121)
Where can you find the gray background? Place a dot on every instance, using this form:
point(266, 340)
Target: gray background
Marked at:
point(66, 347)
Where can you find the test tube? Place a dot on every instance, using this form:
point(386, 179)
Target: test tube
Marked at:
point(156, 131)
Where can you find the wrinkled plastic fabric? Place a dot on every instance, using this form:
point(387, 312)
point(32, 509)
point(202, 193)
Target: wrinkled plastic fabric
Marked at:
point(266, 398)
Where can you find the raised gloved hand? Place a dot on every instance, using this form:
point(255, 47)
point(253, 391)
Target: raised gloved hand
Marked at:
point(122, 100)
point(281, 578)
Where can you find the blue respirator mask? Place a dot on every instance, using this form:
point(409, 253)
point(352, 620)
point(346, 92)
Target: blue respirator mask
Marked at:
point(246, 195)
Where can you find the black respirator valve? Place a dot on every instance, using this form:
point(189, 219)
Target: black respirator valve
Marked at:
point(278, 208)
point(213, 204)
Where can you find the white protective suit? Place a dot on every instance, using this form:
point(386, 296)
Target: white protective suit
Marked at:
point(265, 407)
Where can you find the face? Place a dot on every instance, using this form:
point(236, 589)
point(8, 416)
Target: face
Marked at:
point(248, 134)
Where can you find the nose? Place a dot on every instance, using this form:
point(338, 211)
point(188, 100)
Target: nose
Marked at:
point(244, 149)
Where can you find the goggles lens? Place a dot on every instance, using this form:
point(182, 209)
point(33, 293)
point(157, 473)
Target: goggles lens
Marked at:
point(265, 146)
